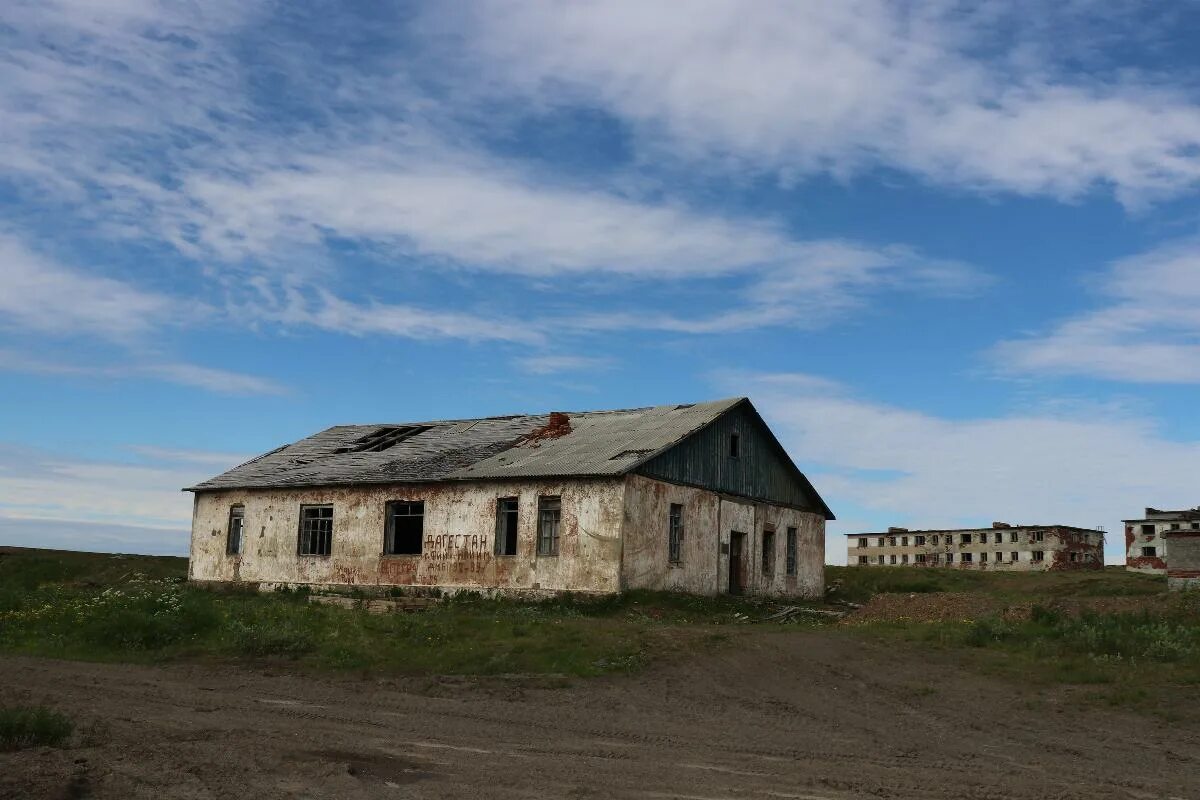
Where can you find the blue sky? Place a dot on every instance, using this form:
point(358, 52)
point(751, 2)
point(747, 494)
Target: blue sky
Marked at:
point(951, 251)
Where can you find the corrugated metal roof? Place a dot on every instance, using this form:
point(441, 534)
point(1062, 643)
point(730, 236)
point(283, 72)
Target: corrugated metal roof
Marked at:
point(600, 443)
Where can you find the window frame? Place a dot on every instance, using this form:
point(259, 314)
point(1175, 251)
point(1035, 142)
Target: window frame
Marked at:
point(389, 528)
point(548, 546)
point(500, 543)
point(735, 444)
point(236, 511)
point(791, 552)
point(768, 551)
point(305, 508)
point(675, 534)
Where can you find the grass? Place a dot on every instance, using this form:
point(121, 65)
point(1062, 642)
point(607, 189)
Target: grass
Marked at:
point(57, 605)
point(33, 726)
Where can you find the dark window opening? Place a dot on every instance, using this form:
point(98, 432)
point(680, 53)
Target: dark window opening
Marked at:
point(405, 528)
point(790, 546)
point(734, 445)
point(549, 521)
point(382, 438)
point(1038, 555)
point(1147, 530)
point(1015, 556)
point(237, 524)
point(863, 543)
point(965, 538)
point(675, 534)
point(966, 558)
point(506, 526)
point(983, 557)
point(920, 558)
point(1149, 552)
point(316, 530)
point(920, 540)
point(862, 559)
point(768, 552)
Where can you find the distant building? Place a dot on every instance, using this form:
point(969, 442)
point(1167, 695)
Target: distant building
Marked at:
point(1183, 565)
point(1146, 540)
point(696, 497)
point(1000, 547)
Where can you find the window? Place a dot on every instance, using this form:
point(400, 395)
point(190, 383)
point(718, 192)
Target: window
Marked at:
point(1147, 530)
point(675, 533)
point(966, 558)
point(964, 538)
point(904, 541)
point(983, 539)
point(549, 520)
point(316, 530)
point(920, 559)
point(1037, 555)
point(1174, 526)
point(920, 540)
point(1039, 536)
point(880, 559)
point(1074, 556)
point(983, 558)
point(881, 541)
point(949, 558)
point(1149, 552)
point(904, 558)
point(999, 556)
point(790, 548)
point(934, 558)
point(893, 559)
point(862, 559)
point(237, 523)
point(768, 552)
point(1012, 537)
point(1014, 556)
point(997, 538)
point(892, 541)
point(405, 528)
point(935, 541)
point(506, 526)
point(863, 543)
point(1196, 526)
point(735, 445)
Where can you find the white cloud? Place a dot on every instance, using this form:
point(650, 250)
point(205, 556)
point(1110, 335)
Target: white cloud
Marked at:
point(41, 295)
point(550, 364)
point(931, 88)
point(922, 470)
point(183, 374)
point(1149, 332)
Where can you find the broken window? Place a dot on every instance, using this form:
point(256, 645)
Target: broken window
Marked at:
point(768, 553)
point(549, 521)
point(316, 530)
point(1149, 552)
point(1147, 530)
point(904, 558)
point(966, 558)
point(1196, 526)
point(1039, 536)
point(999, 556)
point(734, 445)
point(237, 523)
point(1074, 556)
point(405, 528)
point(983, 558)
point(920, 558)
point(881, 559)
point(1174, 526)
point(949, 558)
point(893, 559)
point(904, 541)
point(1037, 555)
point(935, 541)
point(1014, 556)
point(862, 559)
point(506, 526)
point(998, 538)
point(863, 543)
point(675, 533)
point(790, 551)
point(934, 558)
point(1012, 537)
point(920, 540)
point(881, 541)
point(964, 538)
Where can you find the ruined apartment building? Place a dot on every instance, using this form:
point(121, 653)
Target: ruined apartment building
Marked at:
point(699, 498)
point(1000, 547)
point(1146, 540)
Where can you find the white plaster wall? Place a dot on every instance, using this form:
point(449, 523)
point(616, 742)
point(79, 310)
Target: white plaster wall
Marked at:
point(459, 529)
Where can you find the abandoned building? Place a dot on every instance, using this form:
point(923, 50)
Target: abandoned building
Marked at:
point(1146, 538)
point(1000, 547)
point(699, 498)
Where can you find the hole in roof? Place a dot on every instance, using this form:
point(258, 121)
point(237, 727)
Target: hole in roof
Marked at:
point(685, 405)
point(631, 454)
point(383, 438)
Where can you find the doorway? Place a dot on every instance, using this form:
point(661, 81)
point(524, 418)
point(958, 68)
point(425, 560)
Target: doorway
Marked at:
point(737, 562)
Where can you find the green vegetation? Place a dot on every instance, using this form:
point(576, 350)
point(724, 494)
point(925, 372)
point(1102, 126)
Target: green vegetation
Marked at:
point(32, 726)
point(101, 607)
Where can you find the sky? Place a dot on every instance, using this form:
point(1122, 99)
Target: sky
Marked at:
point(950, 250)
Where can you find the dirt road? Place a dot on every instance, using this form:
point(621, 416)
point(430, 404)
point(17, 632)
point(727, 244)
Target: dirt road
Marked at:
point(805, 715)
